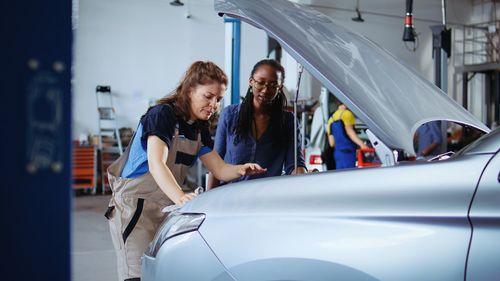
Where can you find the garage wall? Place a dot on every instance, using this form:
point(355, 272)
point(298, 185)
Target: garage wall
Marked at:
point(141, 49)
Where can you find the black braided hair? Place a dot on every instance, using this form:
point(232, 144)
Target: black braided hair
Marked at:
point(276, 110)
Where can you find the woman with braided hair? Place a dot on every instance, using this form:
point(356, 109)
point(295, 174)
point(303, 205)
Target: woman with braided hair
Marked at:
point(260, 129)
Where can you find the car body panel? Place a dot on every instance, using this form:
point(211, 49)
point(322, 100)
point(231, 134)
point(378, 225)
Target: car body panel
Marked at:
point(413, 224)
point(390, 98)
point(204, 265)
point(410, 223)
point(484, 258)
point(295, 193)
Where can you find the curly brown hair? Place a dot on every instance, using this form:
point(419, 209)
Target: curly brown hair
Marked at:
point(199, 73)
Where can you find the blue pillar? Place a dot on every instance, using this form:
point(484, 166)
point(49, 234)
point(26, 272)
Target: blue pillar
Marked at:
point(235, 59)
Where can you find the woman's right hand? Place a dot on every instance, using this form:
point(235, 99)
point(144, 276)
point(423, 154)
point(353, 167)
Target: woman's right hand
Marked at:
point(186, 197)
point(250, 169)
point(179, 203)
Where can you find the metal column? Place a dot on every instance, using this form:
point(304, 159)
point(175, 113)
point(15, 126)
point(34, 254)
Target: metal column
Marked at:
point(496, 97)
point(465, 90)
point(234, 43)
point(441, 41)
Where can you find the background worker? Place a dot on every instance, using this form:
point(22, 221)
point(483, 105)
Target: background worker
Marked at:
point(428, 139)
point(150, 174)
point(260, 129)
point(343, 138)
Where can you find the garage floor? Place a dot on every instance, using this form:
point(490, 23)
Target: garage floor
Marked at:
point(93, 257)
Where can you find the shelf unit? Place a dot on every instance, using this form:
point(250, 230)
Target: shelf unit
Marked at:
point(84, 168)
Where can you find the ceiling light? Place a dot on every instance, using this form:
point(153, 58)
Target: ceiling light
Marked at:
point(176, 3)
point(409, 32)
point(358, 17)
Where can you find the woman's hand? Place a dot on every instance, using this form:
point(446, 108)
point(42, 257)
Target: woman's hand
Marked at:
point(186, 197)
point(250, 169)
point(228, 172)
point(179, 202)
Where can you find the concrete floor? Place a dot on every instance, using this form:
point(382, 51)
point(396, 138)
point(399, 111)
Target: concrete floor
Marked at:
point(93, 257)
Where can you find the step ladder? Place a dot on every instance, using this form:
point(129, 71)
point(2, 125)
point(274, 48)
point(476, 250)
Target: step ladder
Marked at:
point(109, 142)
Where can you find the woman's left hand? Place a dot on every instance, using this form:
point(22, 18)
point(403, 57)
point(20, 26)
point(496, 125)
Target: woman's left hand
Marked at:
point(250, 169)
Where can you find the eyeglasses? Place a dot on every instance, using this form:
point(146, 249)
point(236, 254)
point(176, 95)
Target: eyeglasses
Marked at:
point(261, 85)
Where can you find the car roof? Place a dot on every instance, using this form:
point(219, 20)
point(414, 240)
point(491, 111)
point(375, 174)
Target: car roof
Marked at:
point(392, 99)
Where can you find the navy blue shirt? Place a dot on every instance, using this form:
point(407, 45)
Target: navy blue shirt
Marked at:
point(160, 121)
point(276, 156)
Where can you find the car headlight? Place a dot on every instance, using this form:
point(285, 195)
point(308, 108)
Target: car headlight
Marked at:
point(175, 224)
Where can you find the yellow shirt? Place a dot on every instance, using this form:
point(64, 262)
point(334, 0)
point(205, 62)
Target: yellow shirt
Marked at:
point(347, 117)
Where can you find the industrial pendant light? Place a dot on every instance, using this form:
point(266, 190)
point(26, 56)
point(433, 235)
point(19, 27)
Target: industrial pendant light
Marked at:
point(176, 3)
point(358, 17)
point(409, 32)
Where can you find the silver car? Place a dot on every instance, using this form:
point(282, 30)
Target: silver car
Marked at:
point(420, 220)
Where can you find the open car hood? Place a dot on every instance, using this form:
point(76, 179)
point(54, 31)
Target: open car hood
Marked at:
point(390, 98)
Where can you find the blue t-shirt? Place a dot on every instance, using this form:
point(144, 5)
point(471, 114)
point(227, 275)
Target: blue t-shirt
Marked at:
point(160, 121)
point(276, 156)
point(429, 133)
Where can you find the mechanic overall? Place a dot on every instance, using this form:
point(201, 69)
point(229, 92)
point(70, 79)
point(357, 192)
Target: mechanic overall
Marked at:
point(150, 174)
point(137, 204)
point(343, 137)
